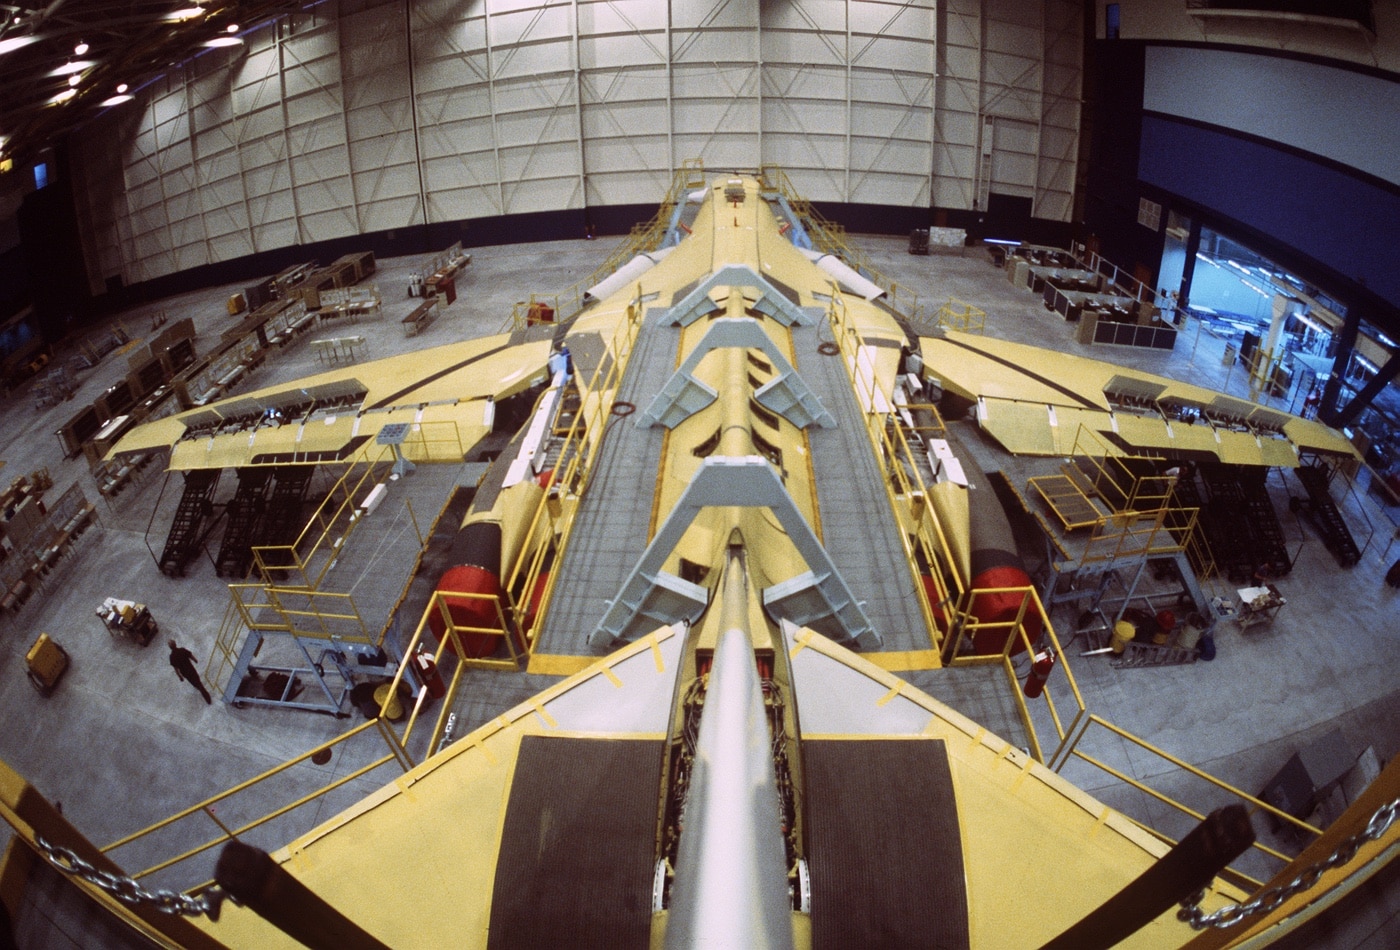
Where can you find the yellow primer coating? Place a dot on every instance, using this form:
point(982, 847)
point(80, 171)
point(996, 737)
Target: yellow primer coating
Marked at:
point(1027, 833)
point(1017, 403)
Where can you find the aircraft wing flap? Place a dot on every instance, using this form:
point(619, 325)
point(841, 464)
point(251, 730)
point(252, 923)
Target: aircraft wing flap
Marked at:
point(1312, 435)
point(1024, 428)
point(458, 377)
point(1143, 432)
point(437, 433)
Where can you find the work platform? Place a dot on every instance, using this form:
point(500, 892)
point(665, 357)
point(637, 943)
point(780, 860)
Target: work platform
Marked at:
point(613, 523)
point(857, 527)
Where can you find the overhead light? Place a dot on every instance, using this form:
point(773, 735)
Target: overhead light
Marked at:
point(231, 28)
point(63, 96)
point(121, 87)
point(16, 42)
point(186, 13)
point(117, 99)
point(74, 79)
point(73, 66)
point(225, 41)
point(80, 49)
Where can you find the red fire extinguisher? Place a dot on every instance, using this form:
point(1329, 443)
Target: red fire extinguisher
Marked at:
point(1041, 666)
point(428, 675)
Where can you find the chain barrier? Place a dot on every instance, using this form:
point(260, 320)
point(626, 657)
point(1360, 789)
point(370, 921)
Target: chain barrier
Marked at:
point(1267, 901)
point(128, 890)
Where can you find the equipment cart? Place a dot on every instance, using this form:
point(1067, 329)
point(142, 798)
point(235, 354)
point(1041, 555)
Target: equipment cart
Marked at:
point(124, 618)
point(1258, 605)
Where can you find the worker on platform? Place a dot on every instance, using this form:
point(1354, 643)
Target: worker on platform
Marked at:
point(184, 662)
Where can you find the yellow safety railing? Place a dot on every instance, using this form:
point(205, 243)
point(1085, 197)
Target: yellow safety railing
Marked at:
point(960, 315)
point(1138, 516)
point(434, 441)
point(312, 614)
point(320, 614)
point(173, 835)
point(327, 530)
point(450, 658)
point(553, 519)
point(925, 544)
point(1019, 633)
point(1073, 724)
point(1132, 534)
point(1164, 529)
point(525, 587)
point(830, 238)
point(564, 304)
point(238, 615)
point(1072, 750)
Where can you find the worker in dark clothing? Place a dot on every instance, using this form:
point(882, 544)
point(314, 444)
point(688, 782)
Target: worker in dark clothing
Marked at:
point(184, 662)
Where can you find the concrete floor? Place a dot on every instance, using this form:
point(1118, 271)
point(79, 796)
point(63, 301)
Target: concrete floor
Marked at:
point(123, 744)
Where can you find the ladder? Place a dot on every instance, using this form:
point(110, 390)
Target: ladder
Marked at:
point(244, 510)
point(1325, 514)
point(196, 506)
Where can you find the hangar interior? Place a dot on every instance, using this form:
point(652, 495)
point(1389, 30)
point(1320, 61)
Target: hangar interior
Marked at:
point(471, 166)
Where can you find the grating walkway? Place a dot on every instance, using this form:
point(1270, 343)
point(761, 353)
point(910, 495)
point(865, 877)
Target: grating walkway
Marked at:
point(858, 527)
point(613, 523)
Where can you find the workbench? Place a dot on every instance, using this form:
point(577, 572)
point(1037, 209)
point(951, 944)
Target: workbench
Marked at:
point(337, 349)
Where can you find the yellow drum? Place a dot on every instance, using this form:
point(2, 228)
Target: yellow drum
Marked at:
point(1122, 633)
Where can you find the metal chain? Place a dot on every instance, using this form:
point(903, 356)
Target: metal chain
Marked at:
point(1269, 900)
point(127, 890)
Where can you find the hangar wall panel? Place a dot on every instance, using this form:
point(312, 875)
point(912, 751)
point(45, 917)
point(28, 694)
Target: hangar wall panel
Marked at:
point(358, 116)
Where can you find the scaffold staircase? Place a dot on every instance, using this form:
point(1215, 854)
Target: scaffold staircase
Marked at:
point(1109, 519)
point(1240, 522)
point(284, 520)
point(244, 510)
point(187, 530)
point(1326, 516)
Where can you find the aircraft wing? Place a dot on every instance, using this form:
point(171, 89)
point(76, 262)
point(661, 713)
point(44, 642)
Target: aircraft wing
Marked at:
point(1037, 402)
point(445, 394)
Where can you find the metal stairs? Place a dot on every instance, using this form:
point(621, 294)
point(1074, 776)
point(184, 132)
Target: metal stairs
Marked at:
point(244, 509)
point(1241, 525)
point(282, 521)
point(1325, 515)
point(196, 507)
point(1265, 528)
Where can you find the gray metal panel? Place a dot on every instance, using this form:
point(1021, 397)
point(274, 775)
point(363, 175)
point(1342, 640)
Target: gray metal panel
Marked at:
point(858, 526)
point(614, 517)
point(736, 481)
point(1133, 388)
point(786, 394)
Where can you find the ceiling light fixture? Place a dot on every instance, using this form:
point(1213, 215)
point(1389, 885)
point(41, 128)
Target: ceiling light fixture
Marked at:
point(121, 88)
point(116, 100)
point(73, 66)
point(63, 96)
point(80, 49)
point(186, 13)
point(74, 79)
point(224, 41)
point(16, 42)
point(231, 28)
